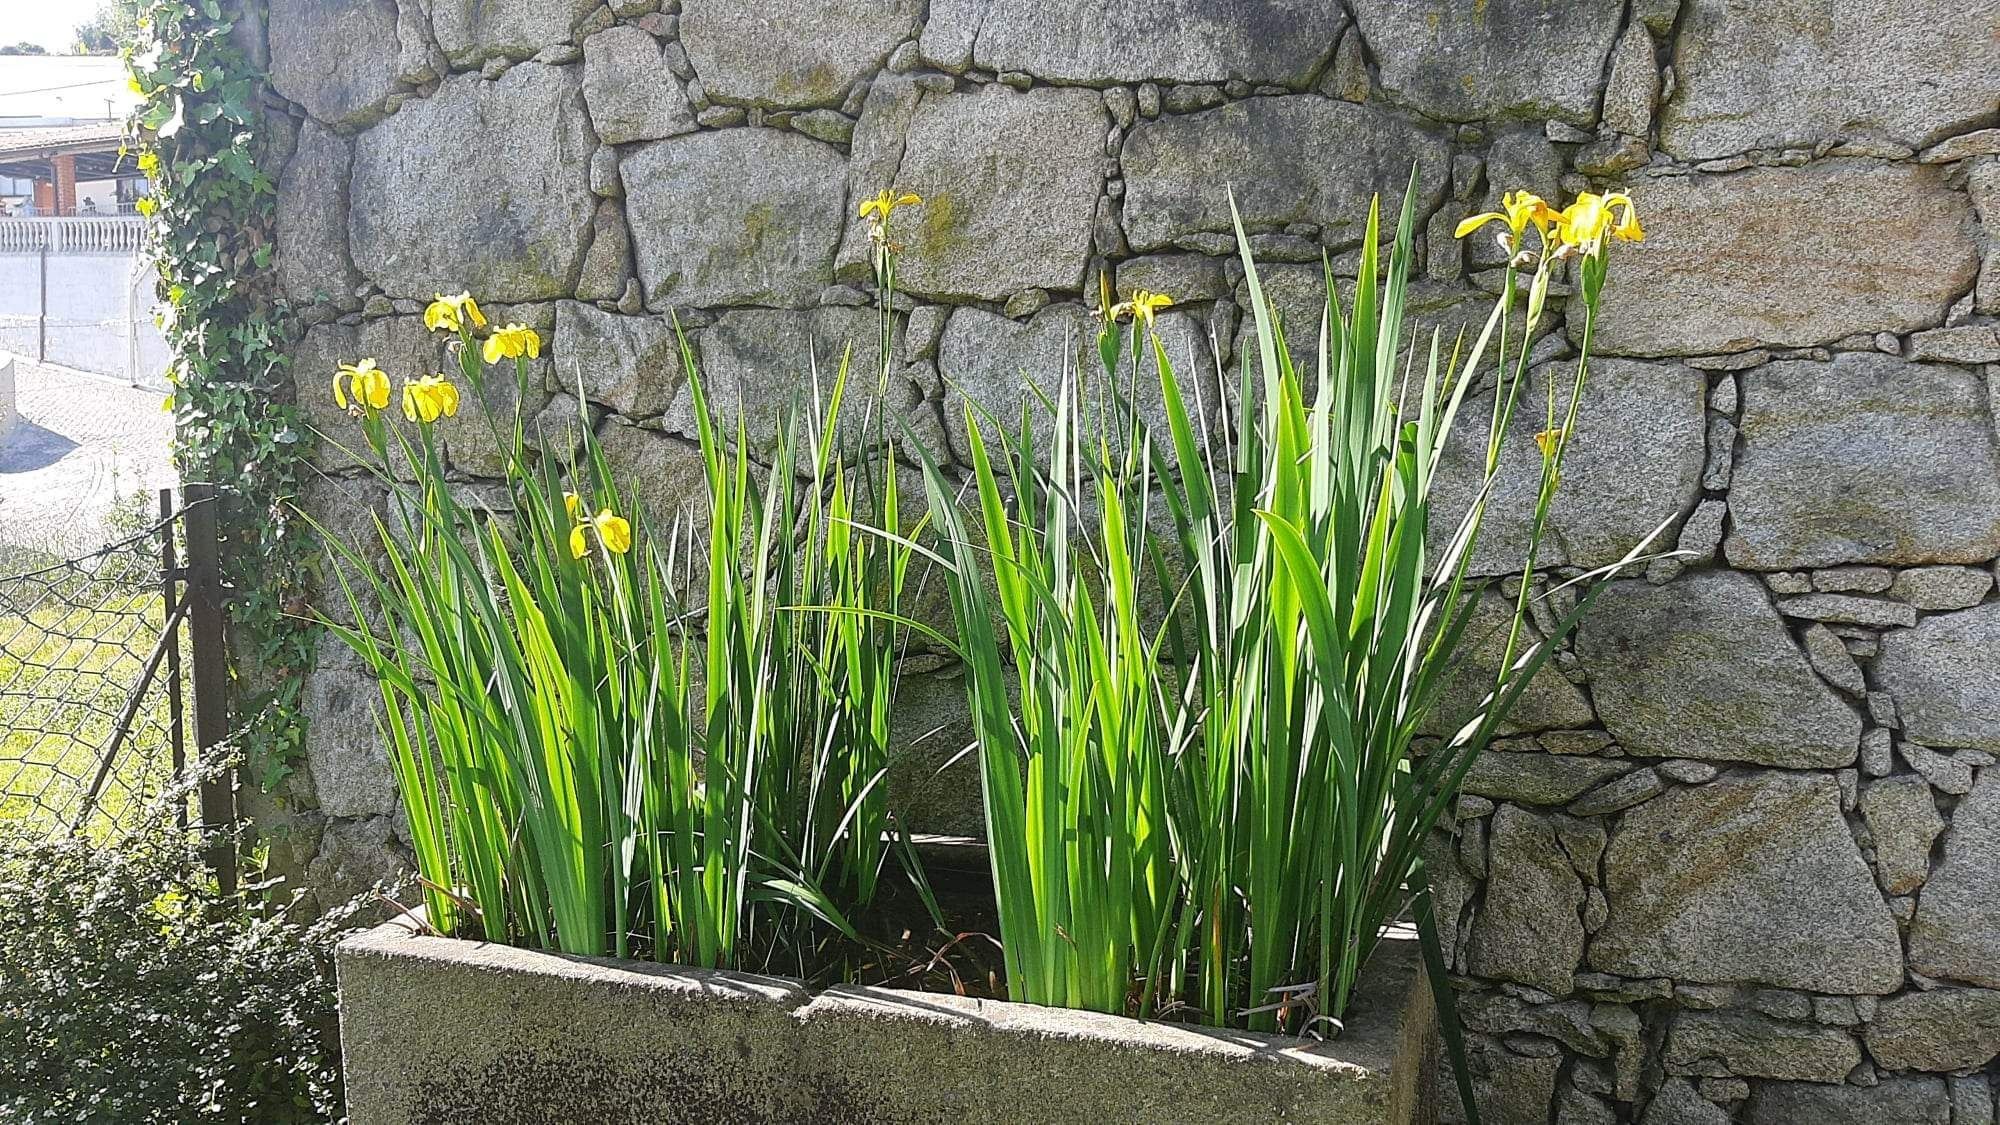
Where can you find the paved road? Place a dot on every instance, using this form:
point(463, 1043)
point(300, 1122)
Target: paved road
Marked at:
point(84, 445)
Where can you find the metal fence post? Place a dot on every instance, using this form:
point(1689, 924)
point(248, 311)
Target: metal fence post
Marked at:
point(211, 672)
point(42, 309)
point(171, 577)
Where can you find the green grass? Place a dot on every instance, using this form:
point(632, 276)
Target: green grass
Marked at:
point(65, 672)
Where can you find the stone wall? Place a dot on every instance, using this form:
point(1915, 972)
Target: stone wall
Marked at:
point(1740, 856)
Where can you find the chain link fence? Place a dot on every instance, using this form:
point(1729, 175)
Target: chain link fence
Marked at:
point(92, 683)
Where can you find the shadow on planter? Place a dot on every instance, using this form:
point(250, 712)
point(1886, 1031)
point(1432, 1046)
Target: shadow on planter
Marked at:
point(439, 1030)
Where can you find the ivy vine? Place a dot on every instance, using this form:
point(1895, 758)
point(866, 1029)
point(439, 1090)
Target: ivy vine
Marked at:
point(201, 136)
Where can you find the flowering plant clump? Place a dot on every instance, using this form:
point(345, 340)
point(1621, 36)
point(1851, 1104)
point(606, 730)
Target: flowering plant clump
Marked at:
point(609, 736)
point(1197, 654)
point(1206, 793)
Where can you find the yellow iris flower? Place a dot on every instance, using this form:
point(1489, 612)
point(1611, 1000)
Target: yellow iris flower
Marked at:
point(1584, 223)
point(886, 201)
point(877, 212)
point(572, 503)
point(1141, 307)
point(1517, 210)
point(1547, 440)
point(429, 398)
point(368, 384)
point(451, 313)
point(512, 342)
point(612, 530)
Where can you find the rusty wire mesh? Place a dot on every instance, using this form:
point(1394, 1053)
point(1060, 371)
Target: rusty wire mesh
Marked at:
point(90, 690)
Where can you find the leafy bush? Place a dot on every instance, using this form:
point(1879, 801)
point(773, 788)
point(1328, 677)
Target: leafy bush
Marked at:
point(131, 991)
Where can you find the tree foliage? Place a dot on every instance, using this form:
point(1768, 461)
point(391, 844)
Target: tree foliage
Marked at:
point(112, 29)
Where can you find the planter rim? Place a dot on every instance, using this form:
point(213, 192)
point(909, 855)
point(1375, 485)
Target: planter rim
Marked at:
point(399, 988)
point(1361, 1046)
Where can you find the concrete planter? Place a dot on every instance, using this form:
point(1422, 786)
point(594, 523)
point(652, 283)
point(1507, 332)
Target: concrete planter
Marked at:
point(439, 1030)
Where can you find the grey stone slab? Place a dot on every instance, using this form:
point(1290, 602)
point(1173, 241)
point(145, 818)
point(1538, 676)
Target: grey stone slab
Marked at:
point(1752, 878)
point(1633, 464)
point(1945, 675)
point(1507, 1086)
point(1904, 1100)
point(1832, 661)
point(1462, 62)
point(1865, 458)
point(1295, 295)
point(1632, 86)
point(1634, 787)
point(631, 364)
point(1549, 702)
point(1944, 1029)
point(344, 749)
point(355, 858)
point(791, 53)
point(1956, 932)
point(1847, 609)
point(1678, 1103)
point(1903, 819)
point(1315, 161)
point(336, 58)
point(1529, 930)
point(1821, 71)
point(734, 217)
point(428, 218)
point(1010, 183)
point(1702, 667)
point(1937, 588)
point(758, 364)
point(1744, 1043)
point(631, 94)
point(473, 31)
point(312, 261)
point(1538, 779)
point(1279, 42)
point(993, 363)
point(1715, 275)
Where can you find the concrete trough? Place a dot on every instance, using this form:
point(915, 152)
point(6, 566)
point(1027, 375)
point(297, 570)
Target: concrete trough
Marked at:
point(437, 1030)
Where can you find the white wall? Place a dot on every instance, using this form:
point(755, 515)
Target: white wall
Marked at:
point(99, 314)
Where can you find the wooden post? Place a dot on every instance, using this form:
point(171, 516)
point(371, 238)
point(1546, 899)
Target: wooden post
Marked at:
point(211, 671)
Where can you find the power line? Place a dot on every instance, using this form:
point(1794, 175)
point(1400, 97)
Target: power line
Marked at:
point(70, 86)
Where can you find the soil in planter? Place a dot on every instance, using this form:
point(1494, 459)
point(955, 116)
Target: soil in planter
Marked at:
point(902, 946)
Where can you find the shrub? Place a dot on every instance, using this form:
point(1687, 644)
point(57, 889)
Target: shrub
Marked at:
point(131, 991)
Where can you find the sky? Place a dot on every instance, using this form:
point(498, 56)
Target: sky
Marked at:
point(47, 22)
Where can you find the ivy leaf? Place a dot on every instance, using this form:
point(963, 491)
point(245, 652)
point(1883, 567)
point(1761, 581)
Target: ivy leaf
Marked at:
point(155, 114)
